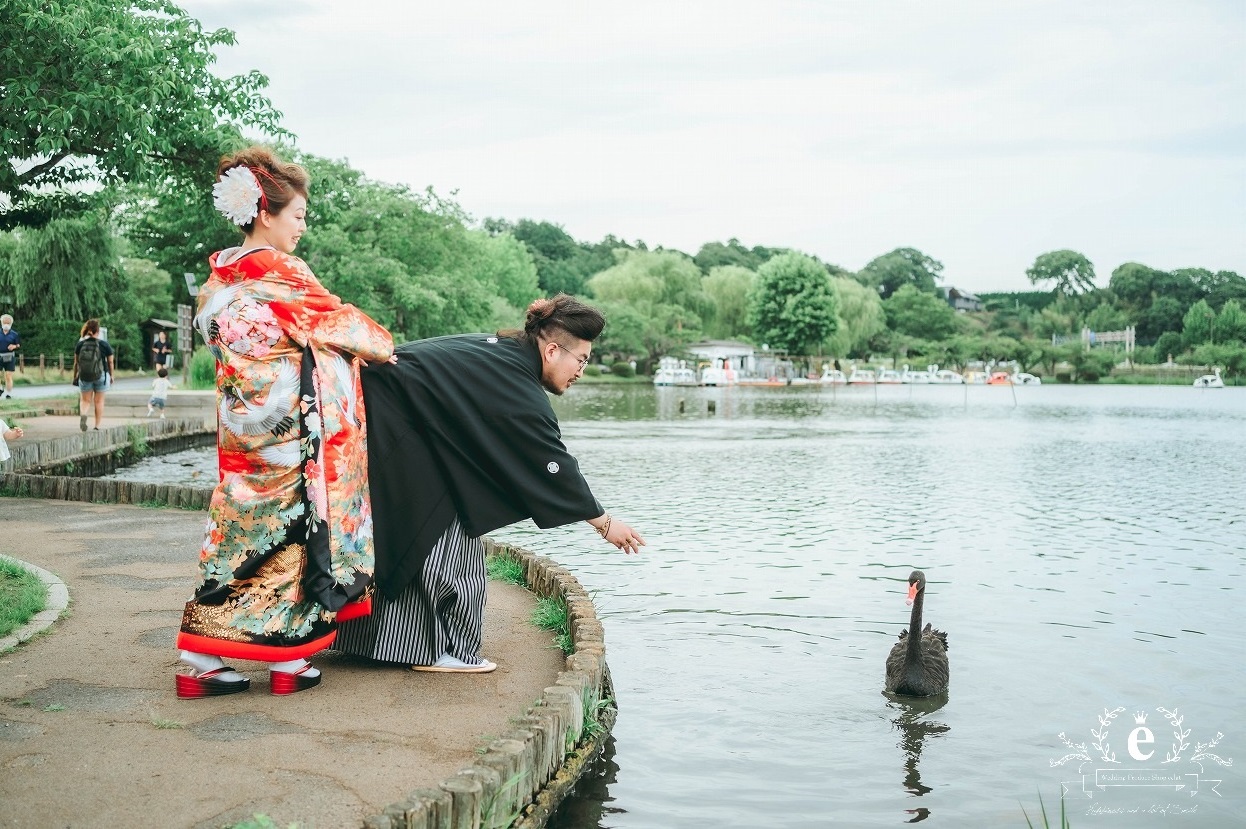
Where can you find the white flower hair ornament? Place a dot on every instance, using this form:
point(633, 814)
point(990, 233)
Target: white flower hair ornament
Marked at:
point(237, 195)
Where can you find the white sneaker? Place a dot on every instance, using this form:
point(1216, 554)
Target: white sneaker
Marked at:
point(449, 664)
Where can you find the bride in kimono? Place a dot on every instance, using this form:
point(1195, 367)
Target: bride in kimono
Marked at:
point(288, 551)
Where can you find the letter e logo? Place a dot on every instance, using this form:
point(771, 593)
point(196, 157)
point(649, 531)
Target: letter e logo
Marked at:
point(1140, 736)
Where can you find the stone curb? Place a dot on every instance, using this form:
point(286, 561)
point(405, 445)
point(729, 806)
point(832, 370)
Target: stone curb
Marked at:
point(58, 600)
point(522, 777)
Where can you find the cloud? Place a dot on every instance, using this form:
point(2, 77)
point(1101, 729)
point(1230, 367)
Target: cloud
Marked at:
point(983, 133)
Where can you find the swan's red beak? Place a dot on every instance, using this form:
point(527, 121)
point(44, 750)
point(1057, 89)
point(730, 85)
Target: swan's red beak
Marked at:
point(912, 597)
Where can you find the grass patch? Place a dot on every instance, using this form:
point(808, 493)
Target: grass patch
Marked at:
point(166, 724)
point(22, 595)
point(506, 567)
point(551, 615)
point(56, 706)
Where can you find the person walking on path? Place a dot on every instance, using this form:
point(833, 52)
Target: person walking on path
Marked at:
point(93, 370)
point(160, 351)
point(463, 440)
point(287, 552)
point(10, 342)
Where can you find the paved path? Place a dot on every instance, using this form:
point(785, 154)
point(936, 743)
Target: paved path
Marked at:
point(91, 733)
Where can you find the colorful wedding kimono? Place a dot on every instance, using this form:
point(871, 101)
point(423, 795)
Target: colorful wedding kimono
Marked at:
point(288, 551)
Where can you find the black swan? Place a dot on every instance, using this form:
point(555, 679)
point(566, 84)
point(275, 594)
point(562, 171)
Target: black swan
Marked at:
point(917, 664)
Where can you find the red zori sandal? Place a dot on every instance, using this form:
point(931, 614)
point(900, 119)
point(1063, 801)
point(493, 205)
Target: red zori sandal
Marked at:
point(282, 682)
point(207, 684)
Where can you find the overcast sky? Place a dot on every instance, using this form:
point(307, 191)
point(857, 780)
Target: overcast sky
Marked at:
point(982, 133)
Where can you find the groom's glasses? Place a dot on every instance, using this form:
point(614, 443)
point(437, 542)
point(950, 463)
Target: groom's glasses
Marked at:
point(583, 361)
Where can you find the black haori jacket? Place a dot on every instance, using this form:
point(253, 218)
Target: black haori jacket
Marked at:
point(462, 426)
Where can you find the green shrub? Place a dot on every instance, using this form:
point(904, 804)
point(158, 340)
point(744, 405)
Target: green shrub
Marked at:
point(50, 337)
point(622, 369)
point(593, 370)
point(202, 369)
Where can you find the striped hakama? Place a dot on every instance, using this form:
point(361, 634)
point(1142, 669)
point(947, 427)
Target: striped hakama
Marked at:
point(441, 611)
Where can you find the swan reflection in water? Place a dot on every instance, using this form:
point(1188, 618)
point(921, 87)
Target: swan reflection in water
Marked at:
point(913, 723)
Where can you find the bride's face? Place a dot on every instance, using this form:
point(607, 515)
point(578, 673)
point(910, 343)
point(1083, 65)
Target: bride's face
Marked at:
point(283, 230)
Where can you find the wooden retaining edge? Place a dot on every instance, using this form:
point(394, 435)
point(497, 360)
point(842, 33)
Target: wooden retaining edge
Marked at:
point(524, 775)
point(38, 464)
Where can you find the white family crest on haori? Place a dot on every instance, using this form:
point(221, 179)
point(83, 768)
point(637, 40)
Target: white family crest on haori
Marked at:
point(1148, 770)
point(237, 195)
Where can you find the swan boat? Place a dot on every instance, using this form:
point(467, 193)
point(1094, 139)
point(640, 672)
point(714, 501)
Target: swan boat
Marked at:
point(1209, 381)
point(861, 376)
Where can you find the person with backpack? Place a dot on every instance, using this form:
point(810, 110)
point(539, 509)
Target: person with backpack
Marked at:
point(93, 366)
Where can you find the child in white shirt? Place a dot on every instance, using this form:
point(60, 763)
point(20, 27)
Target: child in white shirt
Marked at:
point(159, 392)
point(7, 434)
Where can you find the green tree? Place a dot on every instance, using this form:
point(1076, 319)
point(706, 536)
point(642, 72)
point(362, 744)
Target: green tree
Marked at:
point(1164, 314)
point(664, 288)
point(793, 308)
point(716, 255)
point(1071, 272)
point(861, 316)
point(1051, 322)
point(1218, 287)
point(108, 91)
point(917, 314)
point(66, 269)
point(1230, 324)
point(1089, 364)
point(1168, 343)
point(727, 289)
point(628, 334)
point(1106, 318)
point(504, 264)
point(1231, 357)
point(902, 266)
point(1196, 326)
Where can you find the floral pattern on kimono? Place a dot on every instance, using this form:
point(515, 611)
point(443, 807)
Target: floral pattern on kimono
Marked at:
point(288, 547)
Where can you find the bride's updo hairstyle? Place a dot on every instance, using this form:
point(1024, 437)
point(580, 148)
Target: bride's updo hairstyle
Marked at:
point(562, 315)
point(279, 180)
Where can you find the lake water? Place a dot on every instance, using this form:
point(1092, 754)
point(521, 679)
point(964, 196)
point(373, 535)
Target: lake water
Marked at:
point(1086, 554)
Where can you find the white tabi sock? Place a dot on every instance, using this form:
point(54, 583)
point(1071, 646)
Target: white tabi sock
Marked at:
point(292, 667)
point(204, 662)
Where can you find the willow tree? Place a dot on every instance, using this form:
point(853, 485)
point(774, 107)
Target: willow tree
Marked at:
point(861, 316)
point(111, 91)
point(663, 289)
point(727, 288)
point(65, 270)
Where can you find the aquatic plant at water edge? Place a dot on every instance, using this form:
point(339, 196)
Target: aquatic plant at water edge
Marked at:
point(1064, 821)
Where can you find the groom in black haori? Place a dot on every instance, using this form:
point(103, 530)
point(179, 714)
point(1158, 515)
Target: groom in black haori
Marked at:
point(462, 440)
